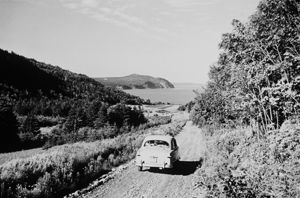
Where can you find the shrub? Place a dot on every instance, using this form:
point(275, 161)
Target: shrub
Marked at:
point(239, 165)
point(9, 140)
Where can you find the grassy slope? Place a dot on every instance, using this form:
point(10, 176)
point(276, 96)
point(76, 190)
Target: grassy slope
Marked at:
point(21, 76)
point(66, 168)
point(5, 157)
point(157, 120)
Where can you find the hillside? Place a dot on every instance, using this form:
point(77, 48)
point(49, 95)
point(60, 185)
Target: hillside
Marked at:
point(23, 77)
point(136, 81)
point(36, 95)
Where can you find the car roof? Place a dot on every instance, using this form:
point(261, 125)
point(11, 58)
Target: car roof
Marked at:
point(166, 138)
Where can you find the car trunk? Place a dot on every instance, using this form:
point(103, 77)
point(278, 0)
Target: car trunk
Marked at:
point(155, 155)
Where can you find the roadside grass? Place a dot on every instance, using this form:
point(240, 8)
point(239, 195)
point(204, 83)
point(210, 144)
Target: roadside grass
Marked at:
point(153, 122)
point(238, 164)
point(64, 169)
point(5, 157)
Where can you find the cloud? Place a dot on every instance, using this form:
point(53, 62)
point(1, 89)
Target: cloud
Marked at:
point(99, 12)
point(159, 19)
point(189, 3)
point(71, 5)
point(90, 3)
point(166, 13)
point(41, 2)
point(116, 12)
point(153, 18)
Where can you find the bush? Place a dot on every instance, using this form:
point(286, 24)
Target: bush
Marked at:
point(9, 140)
point(239, 165)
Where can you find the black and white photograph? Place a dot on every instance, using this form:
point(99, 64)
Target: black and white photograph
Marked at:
point(149, 98)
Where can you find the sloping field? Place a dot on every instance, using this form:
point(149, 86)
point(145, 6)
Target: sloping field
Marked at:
point(5, 157)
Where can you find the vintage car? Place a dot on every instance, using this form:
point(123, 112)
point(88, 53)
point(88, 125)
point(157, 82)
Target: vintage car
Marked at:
point(159, 151)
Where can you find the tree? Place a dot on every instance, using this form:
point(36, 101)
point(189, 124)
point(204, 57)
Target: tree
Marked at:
point(122, 115)
point(92, 111)
point(101, 119)
point(115, 114)
point(30, 125)
point(9, 140)
point(257, 73)
point(76, 119)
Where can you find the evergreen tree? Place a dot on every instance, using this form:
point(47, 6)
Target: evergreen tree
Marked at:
point(9, 140)
point(30, 125)
point(101, 119)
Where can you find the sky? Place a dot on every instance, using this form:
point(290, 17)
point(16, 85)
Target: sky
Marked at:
point(174, 39)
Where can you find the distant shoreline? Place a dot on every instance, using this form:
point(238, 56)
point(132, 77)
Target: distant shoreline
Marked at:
point(181, 94)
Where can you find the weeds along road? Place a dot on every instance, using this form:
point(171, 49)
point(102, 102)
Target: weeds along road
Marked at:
point(159, 183)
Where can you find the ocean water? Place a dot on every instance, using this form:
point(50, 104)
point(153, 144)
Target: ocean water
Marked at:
point(181, 94)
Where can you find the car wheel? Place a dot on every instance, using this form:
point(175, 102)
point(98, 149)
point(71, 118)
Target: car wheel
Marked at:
point(175, 164)
point(140, 168)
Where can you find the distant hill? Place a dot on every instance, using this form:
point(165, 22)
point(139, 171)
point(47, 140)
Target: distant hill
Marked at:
point(136, 81)
point(25, 82)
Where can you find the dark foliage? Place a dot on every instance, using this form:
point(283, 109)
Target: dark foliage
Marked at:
point(122, 115)
point(107, 123)
point(43, 89)
point(9, 140)
point(34, 89)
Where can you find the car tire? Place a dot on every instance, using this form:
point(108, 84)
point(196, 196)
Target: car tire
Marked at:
point(140, 168)
point(175, 164)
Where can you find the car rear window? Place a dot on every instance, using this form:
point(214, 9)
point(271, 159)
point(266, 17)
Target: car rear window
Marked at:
point(156, 143)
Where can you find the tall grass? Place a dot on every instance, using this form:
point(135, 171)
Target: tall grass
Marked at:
point(237, 164)
point(5, 157)
point(65, 168)
point(71, 166)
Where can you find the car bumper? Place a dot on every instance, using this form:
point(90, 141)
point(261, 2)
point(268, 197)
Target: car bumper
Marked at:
point(159, 164)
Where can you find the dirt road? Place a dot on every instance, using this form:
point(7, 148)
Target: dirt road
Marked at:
point(159, 183)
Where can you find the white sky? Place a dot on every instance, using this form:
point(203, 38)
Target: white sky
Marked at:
point(174, 39)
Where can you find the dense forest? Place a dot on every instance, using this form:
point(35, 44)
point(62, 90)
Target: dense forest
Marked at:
point(250, 106)
point(35, 95)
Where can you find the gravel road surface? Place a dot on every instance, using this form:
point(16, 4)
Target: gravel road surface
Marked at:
point(161, 183)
